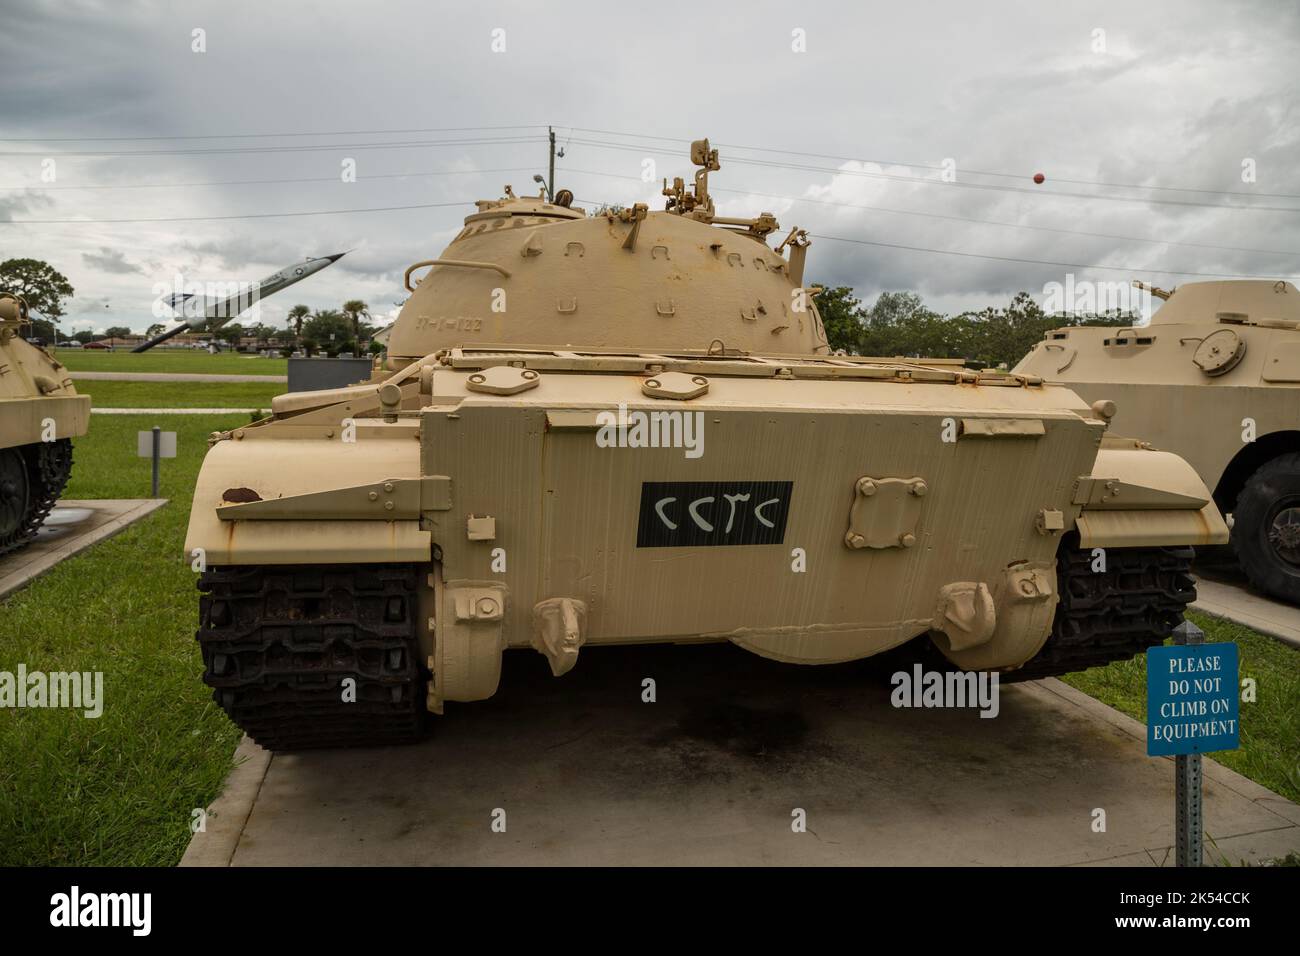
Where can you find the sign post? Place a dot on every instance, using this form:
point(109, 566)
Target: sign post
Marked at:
point(155, 444)
point(1192, 708)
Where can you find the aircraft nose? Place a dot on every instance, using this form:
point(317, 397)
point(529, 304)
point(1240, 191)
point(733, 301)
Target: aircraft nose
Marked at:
point(337, 256)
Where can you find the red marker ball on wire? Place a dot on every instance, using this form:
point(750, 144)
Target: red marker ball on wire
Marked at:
point(1039, 178)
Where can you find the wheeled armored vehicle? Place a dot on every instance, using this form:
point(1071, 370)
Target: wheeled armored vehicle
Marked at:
point(1215, 379)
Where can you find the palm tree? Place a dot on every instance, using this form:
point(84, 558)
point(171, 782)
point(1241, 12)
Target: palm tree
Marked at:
point(354, 309)
point(296, 316)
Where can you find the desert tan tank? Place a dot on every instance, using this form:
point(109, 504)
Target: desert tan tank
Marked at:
point(1214, 378)
point(627, 428)
point(40, 414)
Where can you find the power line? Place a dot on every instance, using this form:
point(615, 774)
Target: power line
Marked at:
point(865, 242)
point(973, 172)
point(591, 172)
point(1040, 262)
point(605, 132)
point(346, 132)
point(963, 185)
point(256, 182)
point(322, 147)
point(255, 215)
point(982, 222)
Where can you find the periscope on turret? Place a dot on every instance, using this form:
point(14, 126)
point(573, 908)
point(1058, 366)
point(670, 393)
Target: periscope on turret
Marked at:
point(402, 534)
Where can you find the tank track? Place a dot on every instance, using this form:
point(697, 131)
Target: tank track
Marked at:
point(278, 642)
point(1112, 615)
point(49, 466)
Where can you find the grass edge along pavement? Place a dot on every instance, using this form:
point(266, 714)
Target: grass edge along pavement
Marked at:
point(1270, 727)
point(121, 789)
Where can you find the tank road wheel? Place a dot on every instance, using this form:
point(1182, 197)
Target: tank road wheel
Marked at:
point(317, 655)
point(1266, 528)
point(15, 500)
point(31, 479)
point(53, 461)
point(1111, 615)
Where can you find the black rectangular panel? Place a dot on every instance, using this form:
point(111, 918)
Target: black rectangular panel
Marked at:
point(693, 514)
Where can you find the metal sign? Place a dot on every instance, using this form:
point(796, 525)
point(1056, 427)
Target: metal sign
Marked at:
point(166, 444)
point(1192, 699)
point(1192, 708)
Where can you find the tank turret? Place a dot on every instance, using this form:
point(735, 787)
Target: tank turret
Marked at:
point(529, 272)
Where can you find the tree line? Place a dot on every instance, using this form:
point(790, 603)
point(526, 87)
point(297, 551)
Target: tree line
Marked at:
point(332, 331)
point(897, 324)
point(900, 324)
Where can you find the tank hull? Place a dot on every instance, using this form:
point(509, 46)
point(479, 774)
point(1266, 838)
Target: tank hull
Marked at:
point(810, 511)
point(40, 413)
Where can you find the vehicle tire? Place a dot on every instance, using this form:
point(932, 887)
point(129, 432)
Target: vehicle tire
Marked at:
point(1266, 528)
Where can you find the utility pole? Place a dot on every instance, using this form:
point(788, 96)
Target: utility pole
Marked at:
point(550, 179)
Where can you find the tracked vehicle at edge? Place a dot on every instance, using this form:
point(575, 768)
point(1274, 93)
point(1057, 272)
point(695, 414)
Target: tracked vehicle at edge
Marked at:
point(628, 428)
point(40, 414)
point(1214, 378)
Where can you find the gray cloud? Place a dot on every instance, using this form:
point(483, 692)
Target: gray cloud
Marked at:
point(110, 260)
point(1181, 95)
point(21, 203)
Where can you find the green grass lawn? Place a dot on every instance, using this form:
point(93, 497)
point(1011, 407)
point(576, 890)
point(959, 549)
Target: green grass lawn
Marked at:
point(177, 360)
point(117, 790)
point(1270, 727)
point(180, 394)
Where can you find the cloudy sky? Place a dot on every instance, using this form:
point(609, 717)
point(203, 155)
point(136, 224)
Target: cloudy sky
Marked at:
point(1147, 120)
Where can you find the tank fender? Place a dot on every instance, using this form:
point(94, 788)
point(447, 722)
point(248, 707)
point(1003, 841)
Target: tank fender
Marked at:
point(1137, 497)
point(288, 472)
point(59, 416)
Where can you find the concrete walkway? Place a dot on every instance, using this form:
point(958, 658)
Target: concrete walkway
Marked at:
point(173, 377)
point(1224, 593)
point(71, 527)
point(586, 773)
